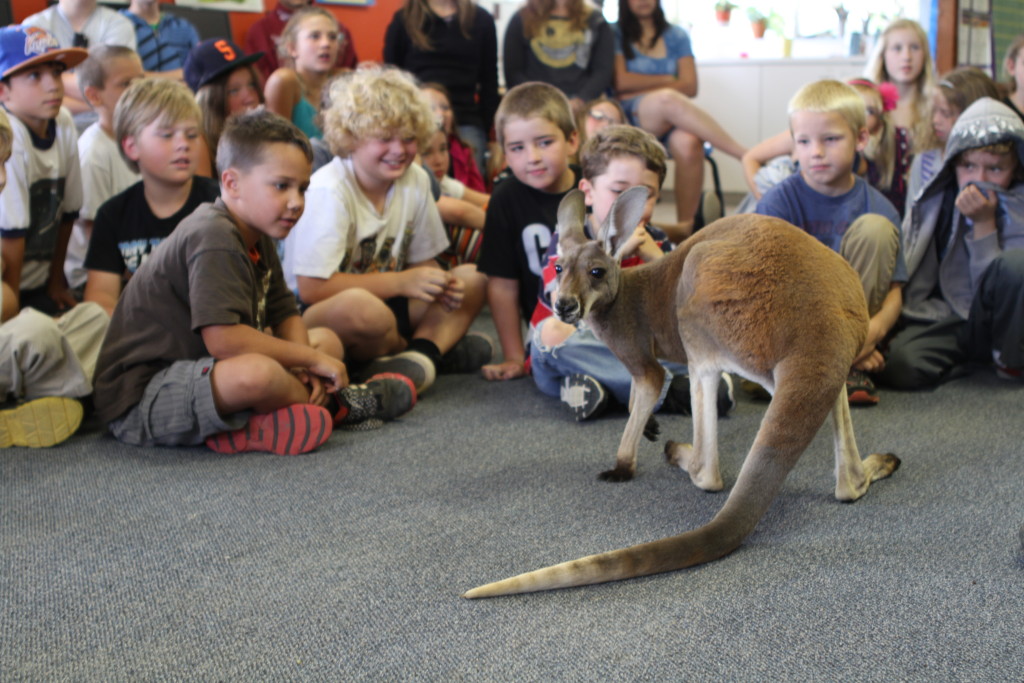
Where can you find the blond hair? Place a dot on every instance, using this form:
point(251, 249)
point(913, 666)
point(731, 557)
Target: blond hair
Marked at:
point(881, 147)
point(290, 32)
point(925, 81)
point(961, 87)
point(534, 100)
point(373, 102)
point(92, 73)
point(1011, 56)
point(152, 99)
point(830, 96)
point(618, 141)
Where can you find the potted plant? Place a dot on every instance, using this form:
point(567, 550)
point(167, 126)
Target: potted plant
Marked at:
point(758, 21)
point(723, 10)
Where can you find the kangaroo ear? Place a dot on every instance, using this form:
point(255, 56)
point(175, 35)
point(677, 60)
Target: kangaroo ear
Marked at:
point(623, 218)
point(571, 214)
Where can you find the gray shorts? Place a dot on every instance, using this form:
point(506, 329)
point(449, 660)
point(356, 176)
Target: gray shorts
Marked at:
point(176, 409)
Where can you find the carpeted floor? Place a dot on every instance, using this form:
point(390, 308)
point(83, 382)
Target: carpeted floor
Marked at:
point(127, 564)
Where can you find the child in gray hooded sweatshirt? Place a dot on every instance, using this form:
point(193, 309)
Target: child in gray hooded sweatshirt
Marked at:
point(964, 244)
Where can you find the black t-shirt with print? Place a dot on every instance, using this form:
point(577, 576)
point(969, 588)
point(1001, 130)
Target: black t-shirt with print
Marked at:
point(125, 230)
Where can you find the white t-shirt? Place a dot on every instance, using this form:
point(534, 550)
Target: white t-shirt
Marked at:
point(341, 230)
point(43, 185)
point(104, 174)
point(103, 27)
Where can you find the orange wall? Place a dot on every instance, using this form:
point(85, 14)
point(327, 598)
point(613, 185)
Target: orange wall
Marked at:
point(367, 24)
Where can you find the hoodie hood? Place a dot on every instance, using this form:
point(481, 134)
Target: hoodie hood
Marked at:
point(985, 122)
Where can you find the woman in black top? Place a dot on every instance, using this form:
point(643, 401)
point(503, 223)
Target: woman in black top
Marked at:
point(452, 42)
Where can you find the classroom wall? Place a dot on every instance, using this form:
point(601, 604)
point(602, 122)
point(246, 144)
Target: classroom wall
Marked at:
point(367, 24)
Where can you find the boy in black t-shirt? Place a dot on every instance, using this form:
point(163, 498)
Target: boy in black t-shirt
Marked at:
point(536, 130)
point(157, 127)
point(206, 343)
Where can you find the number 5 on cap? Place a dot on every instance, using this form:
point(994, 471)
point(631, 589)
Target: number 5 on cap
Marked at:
point(225, 49)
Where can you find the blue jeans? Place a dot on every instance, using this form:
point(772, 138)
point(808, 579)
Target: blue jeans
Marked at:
point(585, 353)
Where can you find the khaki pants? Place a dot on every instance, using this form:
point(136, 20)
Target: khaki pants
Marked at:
point(42, 356)
point(871, 245)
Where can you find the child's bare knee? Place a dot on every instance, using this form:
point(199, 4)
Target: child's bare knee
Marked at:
point(686, 146)
point(326, 341)
point(251, 373)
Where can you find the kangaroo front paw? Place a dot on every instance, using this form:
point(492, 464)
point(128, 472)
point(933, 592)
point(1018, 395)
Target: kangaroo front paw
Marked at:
point(618, 474)
point(652, 430)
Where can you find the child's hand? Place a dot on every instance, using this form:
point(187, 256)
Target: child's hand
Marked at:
point(61, 296)
point(976, 205)
point(317, 394)
point(874, 361)
point(451, 298)
point(642, 244)
point(425, 283)
point(509, 369)
point(330, 371)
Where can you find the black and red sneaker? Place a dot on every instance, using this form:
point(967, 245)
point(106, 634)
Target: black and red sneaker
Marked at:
point(380, 399)
point(860, 390)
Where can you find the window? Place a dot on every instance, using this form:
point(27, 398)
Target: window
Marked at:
point(797, 28)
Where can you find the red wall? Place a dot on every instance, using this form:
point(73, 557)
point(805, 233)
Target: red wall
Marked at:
point(367, 24)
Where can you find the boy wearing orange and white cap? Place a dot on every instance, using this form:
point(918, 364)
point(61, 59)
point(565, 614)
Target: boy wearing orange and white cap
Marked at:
point(44, 184)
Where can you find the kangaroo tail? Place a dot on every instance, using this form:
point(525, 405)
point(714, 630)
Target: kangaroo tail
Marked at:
point(693, 547)
point(788, 426)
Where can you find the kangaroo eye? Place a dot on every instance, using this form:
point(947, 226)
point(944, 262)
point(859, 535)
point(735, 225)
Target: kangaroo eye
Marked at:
point(558, 268)
point(597, 273)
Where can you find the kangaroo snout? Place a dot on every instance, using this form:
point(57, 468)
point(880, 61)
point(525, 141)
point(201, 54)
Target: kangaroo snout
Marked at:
point(567, 309)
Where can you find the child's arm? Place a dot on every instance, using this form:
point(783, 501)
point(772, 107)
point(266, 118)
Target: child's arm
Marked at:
point(12, 251)
point(293, 329)
point(8, 302)
point(503, 297)
point(461, 212)
point(228, 341)
point(870, 358)
point(282, 92)
point(103, 288)
point(476, 197)
point(57, 288)
point(763, 152)
point(423, 282)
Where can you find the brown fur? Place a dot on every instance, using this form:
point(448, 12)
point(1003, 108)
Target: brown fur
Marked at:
point(750, 295)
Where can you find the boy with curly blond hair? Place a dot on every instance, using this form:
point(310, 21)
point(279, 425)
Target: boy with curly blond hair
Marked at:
point(362, 256)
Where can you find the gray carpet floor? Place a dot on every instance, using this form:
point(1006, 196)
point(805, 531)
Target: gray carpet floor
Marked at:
point(121, 563)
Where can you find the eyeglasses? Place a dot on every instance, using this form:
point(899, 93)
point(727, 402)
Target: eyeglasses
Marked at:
point(80, 40)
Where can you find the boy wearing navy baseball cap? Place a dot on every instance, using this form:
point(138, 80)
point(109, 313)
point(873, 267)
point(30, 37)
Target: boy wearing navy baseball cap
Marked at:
point(44, 188)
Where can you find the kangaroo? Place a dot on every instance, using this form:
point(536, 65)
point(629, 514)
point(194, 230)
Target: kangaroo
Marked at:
point(751, 295)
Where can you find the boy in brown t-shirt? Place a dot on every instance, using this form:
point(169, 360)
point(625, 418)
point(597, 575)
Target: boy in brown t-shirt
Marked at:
point(187, 359)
